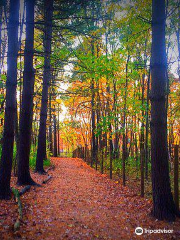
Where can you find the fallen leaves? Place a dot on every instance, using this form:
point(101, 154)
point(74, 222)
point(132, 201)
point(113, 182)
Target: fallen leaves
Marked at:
point(80, 203)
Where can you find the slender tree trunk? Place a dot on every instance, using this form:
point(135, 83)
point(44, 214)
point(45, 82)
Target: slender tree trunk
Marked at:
point(26, 117)
point(116, 142)
point(11, 83)
point(21, 54)
point(124, 144)
point(41, 151)
point(97, 122)
point(16, 126)
point(93, 150)
point(50, 122)
point(93, 116)
point(163, 204)
point(178, 39)
point(147, 130)
point(0, 39)
point(35, 127)
point(136, 151)
point(176, 175)
point(110, 143)
point(58, 139)
point(171, 136)
point(55, 137)
point(142, 149)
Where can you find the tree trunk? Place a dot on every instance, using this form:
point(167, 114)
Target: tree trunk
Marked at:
point(147, 130)
point(11, 83)
point(98, 138)
point(26, 117)
point(142, 147)
point(58, 139)
point(93, 116)
point(124, 144)
point(50, 122)
point(108, 111)
point(93, 148)
point(55, 138)
point(178, 40)
point(116, 140)
point(16, 127)
point(41, 151)
point(0, 39)
point(176, 175)
point(163, 204)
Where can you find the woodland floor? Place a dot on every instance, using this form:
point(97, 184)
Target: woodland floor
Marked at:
point(80, 203)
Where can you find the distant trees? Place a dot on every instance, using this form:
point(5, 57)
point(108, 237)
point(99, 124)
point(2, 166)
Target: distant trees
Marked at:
point(123, 113)
point(11, 83)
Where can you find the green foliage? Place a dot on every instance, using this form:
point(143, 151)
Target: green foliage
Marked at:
point(33, 156)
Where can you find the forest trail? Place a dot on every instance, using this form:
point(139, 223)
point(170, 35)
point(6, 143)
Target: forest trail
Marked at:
point(80, 203)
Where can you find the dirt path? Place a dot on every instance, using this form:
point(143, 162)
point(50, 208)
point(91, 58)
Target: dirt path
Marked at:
point(79, 203)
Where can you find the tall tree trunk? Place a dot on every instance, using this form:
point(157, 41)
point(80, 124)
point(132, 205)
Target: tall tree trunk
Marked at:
point(55, 137)
point(176, 175)
point(25, 126)
point(178, 38)
point(116, 140)
point(50, 122)
point(11, 83)
point(124, 143)
point(147, 129)
point(58, 139)
point(97, 123)
point(93, 115)
point(1, 62)
point(142, 149)
point(93, 124)
point(21, 54)
point(108, 111)
point(0, 38)
point(41, 151)
point(163, 204)
point(16, 126)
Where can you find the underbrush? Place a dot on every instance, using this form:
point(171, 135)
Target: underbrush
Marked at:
point(65, 154)
point(133, 174)
point(33, 156)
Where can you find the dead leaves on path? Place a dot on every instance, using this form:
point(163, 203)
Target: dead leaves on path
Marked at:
point(80, 203)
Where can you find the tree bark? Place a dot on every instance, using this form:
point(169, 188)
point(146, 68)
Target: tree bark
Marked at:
point(147, 129)
point(116, 140)
point(0, 39)
point(58, 138)
point(41, 152)
point(176, 175)
point(24, 177)
point(50, 122)
point(142, 147)
point(93, 116)
point(55, 137)
point(108, 110)
point(163, 204)
point(124, 144)
point(16, 129)
point(178, 40)
point(11, 83)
